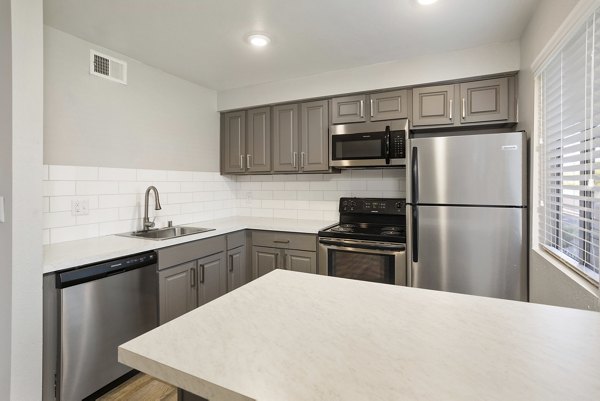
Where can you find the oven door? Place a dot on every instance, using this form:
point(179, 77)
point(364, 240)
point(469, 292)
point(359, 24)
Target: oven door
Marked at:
point(363, 260)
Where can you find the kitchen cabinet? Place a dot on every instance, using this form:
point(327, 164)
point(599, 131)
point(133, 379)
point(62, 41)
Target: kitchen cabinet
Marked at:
point(246, 141)
point(237, 259)
point(190, 275)
point(212, 278)
point(301, 137)
point(233, 145)
point(379, 106)
point(280, 250)
point(349, 109)
point(388, 105)
point(177, 291)
point(433, 105)
point(285, 138)
point(468, 103)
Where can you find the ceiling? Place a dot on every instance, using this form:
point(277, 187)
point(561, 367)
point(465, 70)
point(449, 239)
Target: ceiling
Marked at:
point(203, 40)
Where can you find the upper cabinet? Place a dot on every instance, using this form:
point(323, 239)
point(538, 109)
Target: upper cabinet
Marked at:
point(349, 109)
point(300, 137)
point(478, 102)
point(246, 144)
point(374, 107)
point(388, 105)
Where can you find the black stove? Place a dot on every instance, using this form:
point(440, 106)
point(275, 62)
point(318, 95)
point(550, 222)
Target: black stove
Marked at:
point(370, 219)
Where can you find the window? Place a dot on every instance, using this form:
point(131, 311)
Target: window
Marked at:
point(569, 124)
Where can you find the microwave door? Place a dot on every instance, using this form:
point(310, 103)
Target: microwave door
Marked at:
point(360, 149)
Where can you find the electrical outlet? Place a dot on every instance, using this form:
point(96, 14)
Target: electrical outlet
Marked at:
point(248, 198)
point(80, 207)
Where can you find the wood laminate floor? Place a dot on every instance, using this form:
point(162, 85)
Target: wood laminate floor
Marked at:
point(142, 388)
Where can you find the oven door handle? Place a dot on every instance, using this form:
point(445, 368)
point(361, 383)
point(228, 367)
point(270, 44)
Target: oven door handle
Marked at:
point(383, 249)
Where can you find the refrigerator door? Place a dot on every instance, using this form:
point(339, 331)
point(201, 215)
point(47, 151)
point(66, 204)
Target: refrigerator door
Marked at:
point(469, 250)
point(483, 169)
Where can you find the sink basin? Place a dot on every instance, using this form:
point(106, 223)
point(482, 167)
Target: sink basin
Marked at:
point(166, 233)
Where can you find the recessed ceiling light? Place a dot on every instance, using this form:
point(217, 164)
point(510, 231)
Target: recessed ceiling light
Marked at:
point(426, 2)
point(259, 40)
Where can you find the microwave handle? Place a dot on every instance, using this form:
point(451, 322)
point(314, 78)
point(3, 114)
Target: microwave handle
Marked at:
point(388, 138)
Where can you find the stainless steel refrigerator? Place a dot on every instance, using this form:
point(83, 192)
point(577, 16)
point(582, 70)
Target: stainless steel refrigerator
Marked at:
point(467, 214)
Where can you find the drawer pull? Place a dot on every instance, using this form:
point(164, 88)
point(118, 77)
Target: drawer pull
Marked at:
point(281, 241)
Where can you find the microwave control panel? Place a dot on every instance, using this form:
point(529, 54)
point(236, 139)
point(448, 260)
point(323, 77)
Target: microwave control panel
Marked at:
point(398, 145)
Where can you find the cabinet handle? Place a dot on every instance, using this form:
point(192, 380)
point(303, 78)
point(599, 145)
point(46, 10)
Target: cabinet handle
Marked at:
point(230, 263)
point(362, 109)
point(201, 273)
point(248, 161)
point(294, 159)
point(193, 277)
point(287, 262)
point(450, 108)
point(301, 159)
point(371, 100)
point(242, 162)
point(281, 241)
point(464, 108)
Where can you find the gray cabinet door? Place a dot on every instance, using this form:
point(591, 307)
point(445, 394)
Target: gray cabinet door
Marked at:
point(433, 105)
point(234, 142)
point(314, 131)
point(212, 278)
point(236, 268)
point(301, 261)
point(177, 291)
point(484, 101)
point(389, 105)
point(349, 109)
point(264, 260)
point(258, 145)
point(285, 138)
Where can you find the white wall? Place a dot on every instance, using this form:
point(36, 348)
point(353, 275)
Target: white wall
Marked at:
point(6, 192)
point(491, 59)
point(25, 207)
point(549, 281)
point(155, 121)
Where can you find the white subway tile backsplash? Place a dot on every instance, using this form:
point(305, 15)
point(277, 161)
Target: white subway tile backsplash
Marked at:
point(97, 187)
point(116, 197)
point(117, 174)
point(58, 188)
point(72, 173)
point(151, 175)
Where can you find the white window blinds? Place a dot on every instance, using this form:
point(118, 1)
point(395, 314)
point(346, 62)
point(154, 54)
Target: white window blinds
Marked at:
point(569, 119)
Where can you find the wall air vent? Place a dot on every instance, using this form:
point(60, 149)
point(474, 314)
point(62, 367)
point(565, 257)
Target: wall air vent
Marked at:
point(108, 67)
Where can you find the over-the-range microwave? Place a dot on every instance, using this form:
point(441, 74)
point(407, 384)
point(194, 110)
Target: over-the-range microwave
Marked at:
point(372, 144)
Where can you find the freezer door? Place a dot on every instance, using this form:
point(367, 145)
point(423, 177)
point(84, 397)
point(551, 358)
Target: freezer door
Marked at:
point(485, 169)
point(469, 250)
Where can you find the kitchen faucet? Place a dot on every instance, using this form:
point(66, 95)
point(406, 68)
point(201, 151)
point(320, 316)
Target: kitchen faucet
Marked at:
point(147, 223)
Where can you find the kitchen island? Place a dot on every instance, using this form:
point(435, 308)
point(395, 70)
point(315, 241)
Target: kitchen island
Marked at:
point(299, 337)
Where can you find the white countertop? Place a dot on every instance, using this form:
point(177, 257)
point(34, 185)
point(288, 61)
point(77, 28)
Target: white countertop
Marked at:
point(291, 336)
point(65, 255)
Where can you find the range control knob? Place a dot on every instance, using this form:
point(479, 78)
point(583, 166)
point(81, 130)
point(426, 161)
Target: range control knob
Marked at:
point(399, 205)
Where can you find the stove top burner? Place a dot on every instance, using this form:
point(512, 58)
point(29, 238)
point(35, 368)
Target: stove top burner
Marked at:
point(390, 233)
point(342, 229)
point(391, 228)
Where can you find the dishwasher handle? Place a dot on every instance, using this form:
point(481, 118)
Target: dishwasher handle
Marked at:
point(97, 271)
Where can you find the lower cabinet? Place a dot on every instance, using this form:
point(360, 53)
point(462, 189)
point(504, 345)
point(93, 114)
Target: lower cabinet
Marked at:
point(177, 291)
point(282, 250)
point(236, 268)
point(190, 275)
point(212, 278)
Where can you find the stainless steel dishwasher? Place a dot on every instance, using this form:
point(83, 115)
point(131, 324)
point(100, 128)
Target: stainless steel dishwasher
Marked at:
point(99, 308)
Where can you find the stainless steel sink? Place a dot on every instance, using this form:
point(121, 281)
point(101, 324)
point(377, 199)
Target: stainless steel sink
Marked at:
point(166, 233)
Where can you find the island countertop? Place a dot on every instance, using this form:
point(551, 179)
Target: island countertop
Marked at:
point(291, 336)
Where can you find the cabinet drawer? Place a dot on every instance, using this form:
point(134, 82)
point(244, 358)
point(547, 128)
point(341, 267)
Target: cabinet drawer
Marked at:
point(285, 240)
point(179, 254)
point(236, 239)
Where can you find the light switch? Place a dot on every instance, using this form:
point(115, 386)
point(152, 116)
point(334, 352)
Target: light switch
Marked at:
point(2, 209)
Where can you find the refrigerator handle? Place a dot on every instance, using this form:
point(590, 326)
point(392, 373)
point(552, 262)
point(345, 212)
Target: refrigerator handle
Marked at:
point(387, 144)
point(415, 234)
point(415, 176)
